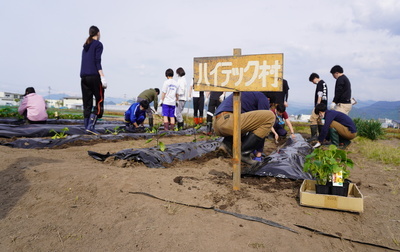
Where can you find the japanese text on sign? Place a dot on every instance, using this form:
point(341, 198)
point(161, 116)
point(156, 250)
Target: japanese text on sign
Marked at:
point(239, 73)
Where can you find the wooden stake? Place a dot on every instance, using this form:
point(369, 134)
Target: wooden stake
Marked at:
point(236, 148)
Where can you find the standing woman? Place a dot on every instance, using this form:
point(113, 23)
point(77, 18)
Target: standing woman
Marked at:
point(182, 90)
point(93, 81)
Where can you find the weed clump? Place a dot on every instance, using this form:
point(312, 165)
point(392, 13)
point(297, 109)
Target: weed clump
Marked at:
point(370, 129)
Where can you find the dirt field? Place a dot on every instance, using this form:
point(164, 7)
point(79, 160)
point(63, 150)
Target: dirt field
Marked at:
point(64, 200)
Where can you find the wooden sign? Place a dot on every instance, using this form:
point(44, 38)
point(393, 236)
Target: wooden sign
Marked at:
point(261, 72)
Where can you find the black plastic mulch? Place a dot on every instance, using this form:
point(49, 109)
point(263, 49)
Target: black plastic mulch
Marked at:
point(287, 162)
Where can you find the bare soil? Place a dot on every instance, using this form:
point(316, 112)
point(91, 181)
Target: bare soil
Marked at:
point(63, 200)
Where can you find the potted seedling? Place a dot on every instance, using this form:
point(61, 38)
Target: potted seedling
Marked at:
point(326, 165)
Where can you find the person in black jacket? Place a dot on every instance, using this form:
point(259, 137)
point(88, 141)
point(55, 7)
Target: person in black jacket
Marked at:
point(321, 96)
point(342, 99)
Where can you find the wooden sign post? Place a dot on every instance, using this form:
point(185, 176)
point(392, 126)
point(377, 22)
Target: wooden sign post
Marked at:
point(261, 72)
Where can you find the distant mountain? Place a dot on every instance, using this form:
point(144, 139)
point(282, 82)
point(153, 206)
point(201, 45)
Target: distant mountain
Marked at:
point(55, 96)
point(367, 103)
point(381, 109)
point(298, 108)
point(111, 100)
point(363, 109)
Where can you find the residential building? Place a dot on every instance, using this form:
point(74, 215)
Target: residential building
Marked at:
point(12, 99)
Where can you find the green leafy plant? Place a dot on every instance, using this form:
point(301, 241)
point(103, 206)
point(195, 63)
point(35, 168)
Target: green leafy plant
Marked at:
point(58, 135)
point(322, 163)
point(115, 131)
point(155, 130)
point(9, 111)
point(369, 128)
point(195, 131)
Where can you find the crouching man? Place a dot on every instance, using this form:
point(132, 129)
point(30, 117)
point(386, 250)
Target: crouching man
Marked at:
point(338, 125)
point(256, 121)
point(135, 115)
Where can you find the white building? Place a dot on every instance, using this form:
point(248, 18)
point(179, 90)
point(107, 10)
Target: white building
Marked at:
point(54, 103)
point(300, 118)
point(73, 102)
point(7, 98)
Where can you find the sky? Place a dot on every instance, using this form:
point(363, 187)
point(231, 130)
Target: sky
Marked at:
point(41, 42)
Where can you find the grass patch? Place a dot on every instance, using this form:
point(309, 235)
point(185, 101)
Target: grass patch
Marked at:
point(301, 127)
point(378, 151)
point(392, 133)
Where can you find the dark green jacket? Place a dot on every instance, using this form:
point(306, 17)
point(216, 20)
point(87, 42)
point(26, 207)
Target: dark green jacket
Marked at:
point(151, 96)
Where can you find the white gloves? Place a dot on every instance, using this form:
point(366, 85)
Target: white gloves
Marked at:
point(333, 105)
point(103, 81)
point(221, 98)
point(317, 145)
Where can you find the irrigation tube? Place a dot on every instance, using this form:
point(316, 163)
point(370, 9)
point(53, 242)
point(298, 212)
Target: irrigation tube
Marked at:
point(241, 216)
point(267, 222)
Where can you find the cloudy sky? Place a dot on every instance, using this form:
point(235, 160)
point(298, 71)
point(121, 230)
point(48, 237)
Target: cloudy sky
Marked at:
point(41, 42)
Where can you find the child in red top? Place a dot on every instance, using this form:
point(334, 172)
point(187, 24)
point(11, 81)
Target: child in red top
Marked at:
point(282, 118)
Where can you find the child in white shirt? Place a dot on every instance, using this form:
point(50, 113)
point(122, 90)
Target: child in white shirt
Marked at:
point(169, 98)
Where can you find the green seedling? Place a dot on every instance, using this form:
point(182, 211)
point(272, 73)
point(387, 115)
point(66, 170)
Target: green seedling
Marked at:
point(196, 128)
point(155, 130)
point(58, 135)
point(115, 131)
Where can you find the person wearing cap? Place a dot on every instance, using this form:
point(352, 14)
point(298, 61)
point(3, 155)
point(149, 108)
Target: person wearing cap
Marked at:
point(33, 107)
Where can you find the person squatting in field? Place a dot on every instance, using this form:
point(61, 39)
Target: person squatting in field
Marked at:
point(135, 115)
point(256, 121)
point(151, 95)
point(338, 125)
